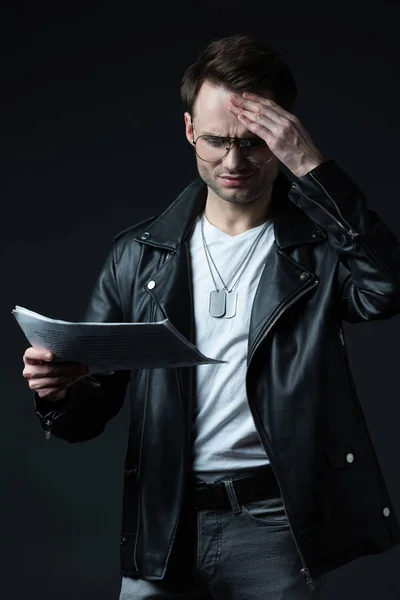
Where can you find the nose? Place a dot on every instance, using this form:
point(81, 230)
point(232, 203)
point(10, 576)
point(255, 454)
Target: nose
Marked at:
point(233, 158)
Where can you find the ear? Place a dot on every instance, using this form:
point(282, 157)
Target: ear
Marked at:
point(188, 128)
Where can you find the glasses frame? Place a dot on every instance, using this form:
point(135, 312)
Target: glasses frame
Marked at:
point(230, 141)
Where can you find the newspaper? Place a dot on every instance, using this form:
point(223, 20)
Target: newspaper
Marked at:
point(111, 347)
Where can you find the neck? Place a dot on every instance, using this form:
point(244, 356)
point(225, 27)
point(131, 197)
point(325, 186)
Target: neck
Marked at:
point(235, 219)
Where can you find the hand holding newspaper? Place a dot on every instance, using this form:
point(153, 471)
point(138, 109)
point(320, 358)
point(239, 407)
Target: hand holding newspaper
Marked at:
point(111, 346)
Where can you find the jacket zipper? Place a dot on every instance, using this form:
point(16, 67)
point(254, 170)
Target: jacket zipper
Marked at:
point(48, 422)
point(348, 370)
point(353, 234)
point(152, 318)
point(278, 316)
point(304, 571)
point(346, 227)
point(138, 476)
point(47, 427)
point(187, 431)
point(185, 424)
point(139, 466)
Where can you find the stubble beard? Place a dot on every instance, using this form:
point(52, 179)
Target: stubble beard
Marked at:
point(242, 197)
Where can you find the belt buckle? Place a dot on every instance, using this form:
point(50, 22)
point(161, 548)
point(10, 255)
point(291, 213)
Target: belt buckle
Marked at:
point(214, 492)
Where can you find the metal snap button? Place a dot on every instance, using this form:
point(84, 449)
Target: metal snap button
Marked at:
point(350, 457)
point(145, 236)
point(386, 511)
point(304, 276)
point(353, 234)
point(151, 285)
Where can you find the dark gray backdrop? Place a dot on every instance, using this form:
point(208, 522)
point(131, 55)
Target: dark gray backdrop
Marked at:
point(92, 141)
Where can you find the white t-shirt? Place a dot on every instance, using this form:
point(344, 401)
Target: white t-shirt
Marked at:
point(225, 438)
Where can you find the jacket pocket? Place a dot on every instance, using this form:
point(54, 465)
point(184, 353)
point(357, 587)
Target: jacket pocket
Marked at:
point(130, 500)
point(350, 480)
point(345, 456)
point(269, 512)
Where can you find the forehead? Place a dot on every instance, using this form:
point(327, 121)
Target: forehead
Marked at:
point(212, 113)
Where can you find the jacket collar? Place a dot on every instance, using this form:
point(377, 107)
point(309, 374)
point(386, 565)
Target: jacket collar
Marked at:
point(292, 227)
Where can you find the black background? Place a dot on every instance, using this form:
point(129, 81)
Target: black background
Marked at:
point(92, 141)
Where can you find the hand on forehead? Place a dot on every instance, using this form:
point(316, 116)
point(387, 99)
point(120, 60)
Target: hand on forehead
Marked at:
point(212, 114)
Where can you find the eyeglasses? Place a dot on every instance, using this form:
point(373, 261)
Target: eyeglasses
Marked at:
point(213, 148)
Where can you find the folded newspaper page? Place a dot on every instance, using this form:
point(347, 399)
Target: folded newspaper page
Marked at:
point(111, 346)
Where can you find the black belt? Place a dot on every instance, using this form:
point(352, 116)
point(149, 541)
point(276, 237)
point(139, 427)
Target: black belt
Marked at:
point(259, 486)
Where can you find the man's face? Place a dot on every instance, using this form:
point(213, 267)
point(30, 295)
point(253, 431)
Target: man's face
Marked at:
point(213, 117)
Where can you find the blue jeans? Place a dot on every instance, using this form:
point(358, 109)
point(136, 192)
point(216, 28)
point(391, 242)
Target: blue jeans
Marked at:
point(246, 553)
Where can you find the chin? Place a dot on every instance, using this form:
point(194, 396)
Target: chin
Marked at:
point(238, 198)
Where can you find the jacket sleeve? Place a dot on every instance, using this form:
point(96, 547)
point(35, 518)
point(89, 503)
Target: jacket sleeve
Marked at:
point(369, 252)
point(95, 399)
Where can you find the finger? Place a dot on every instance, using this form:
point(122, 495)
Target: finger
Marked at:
point(55, 370)
point(257, 122)
point(34, 356)
point(51, 394)
point(257, 107)
point(241, 103)
point(37, 356)
point(51, 383)
point(41, 384)
point(251, 126)
point(267, 102)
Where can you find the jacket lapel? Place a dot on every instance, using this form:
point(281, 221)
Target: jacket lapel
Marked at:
point(173, 290)
point(288, 272)
point(170, 232)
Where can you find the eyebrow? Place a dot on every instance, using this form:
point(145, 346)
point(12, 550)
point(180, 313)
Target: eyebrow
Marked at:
point(251, 137)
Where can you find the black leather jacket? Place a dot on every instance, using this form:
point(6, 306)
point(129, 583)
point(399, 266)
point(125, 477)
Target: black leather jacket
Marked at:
point(333, 260)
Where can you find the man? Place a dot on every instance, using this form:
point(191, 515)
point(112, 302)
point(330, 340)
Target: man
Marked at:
point(254, 478)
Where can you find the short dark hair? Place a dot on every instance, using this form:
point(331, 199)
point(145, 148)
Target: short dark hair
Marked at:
point(240, 63)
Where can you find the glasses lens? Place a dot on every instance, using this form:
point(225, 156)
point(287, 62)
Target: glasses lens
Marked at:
point(255, 150)
point(213, 149)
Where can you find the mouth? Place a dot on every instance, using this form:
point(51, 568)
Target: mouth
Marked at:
point(235, 181)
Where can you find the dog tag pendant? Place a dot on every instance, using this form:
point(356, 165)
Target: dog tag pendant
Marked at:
point(230, 304)
point(217, 303)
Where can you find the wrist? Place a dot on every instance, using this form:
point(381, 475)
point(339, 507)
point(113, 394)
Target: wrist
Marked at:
point(309, 166)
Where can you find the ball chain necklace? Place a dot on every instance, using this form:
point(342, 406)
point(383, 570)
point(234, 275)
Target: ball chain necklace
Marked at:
point(223, 302)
